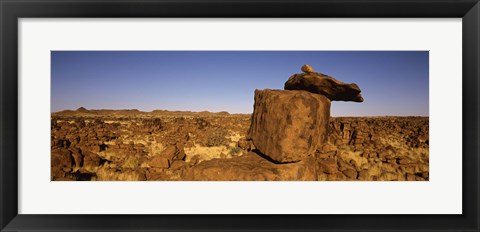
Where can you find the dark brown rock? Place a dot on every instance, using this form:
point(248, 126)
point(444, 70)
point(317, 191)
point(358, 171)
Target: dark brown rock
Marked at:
point(91, 159)
point(170, 152)
point(61, 162)
point(178, 164)
point(328, 166)
point(78, 159)
point(328, 86)
point(342, 164)
point(173, 152)
point(350, 173)
point(181, 155)
point(410, 177)
point(288, 126)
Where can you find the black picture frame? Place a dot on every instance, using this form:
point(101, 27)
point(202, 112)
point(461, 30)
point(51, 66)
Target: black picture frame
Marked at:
point(11, 11)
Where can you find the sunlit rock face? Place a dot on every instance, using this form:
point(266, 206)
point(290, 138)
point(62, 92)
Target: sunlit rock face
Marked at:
point(289, 125)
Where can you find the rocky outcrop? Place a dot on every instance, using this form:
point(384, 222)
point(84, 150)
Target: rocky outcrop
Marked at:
point(288, 126)
point(328, 86)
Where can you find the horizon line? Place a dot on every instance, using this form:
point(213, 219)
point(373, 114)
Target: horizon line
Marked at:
point(223, 111)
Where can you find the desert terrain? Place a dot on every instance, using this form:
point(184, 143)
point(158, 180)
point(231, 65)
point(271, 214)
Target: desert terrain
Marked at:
point(290, 136)
point(130, 145)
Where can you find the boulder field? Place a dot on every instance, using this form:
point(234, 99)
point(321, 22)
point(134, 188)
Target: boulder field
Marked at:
point(289, 137)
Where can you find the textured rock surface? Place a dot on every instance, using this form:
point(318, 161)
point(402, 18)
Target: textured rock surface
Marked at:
point(328, 86)
point(375, 148)
point(61, 162)
point(159, 161)
point(252, 167)
point(288, 126)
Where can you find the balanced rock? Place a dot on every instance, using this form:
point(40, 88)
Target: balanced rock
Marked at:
point(288, 126)
point(328, 86)
point(307, 68)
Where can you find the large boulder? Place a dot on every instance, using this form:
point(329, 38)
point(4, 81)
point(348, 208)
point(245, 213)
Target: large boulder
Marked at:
point(328, 86)
point(287, 126)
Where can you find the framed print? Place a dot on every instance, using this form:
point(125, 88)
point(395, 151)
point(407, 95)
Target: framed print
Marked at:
point(225, 115)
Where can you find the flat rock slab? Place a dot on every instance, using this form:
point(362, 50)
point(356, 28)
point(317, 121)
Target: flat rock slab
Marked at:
point(251, 167)
point(328, 86)
point(288, 125)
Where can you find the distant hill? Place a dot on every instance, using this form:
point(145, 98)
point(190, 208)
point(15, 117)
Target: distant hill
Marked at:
point(83, 112)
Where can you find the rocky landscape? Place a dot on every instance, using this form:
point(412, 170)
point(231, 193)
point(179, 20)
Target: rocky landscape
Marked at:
point(289, 137)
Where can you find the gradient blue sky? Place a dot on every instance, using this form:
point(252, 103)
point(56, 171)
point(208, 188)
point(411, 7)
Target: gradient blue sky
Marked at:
point(393, 83)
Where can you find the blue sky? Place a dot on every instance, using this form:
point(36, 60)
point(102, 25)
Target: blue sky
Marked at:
point(393, 83)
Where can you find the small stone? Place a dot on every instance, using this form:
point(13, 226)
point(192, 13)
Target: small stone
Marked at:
point(243, 144)
point(159, 161)
point(307, 68)
point(328, 166)
point(178, 164)
point(350, 173)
